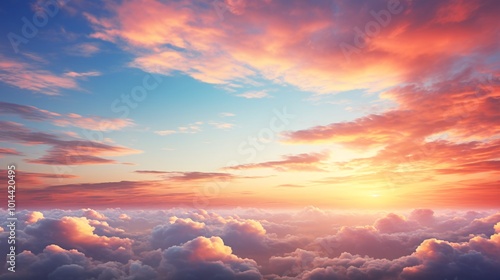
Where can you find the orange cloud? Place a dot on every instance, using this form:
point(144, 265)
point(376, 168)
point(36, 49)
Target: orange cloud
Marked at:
point(109, 194)
point(301, 45)
point(35, 179)
point(34, 217)
point(301, 162)
point(194, 176)
point(61, 151)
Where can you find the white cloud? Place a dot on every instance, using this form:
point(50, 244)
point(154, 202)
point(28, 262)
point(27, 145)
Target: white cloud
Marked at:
point(254, 94)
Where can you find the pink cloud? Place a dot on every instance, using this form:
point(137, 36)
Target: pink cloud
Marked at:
point(27, 76)
point(84, 49)
point(207, 244)
point(190, 175)
point(71, 119)
point(301, 45)
point(34, 217)
point(62, 152)
point(9, 152)
point(300, 162)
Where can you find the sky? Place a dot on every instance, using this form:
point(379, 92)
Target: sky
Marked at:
point(250, 140)
point(267, 104)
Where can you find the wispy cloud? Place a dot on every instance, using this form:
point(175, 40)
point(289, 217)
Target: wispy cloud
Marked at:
point(82, 74)
point(307, 57)
point(189, 176)
point(195, 127)
point(227, 114)
point(254, 94)
point(83, 49)
point(300, 162)
point(9, 152)
point(221, 125)
point(62, 151)
point(71, 119)
point(28, 76)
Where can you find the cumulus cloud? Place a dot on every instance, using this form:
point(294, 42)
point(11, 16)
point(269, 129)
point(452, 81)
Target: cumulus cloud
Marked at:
point(31, 179)
point(255, 244)
point(92, 214)
point(9, 152)
point(432, 133)
point(91, 194)
point(33, 217)
point(191, 176)
point(77, 233)
point(207, 258)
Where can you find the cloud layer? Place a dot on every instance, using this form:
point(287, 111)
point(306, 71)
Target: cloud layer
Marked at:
point(255, 244)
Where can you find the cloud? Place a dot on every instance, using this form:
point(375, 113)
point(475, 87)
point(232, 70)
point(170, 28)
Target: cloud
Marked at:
point(84, 49)
point(190, 176)
point(207, 258)
point(10, 152)
point(177, 232)
point(300, 162)
point(177, 243)
point(165, 132)
point(254, 94)
point(290, 186)
point(93, 123)
point(27, 76)
point(71, 119)
point(321, 56)
point(77, 233)
point(31, 179)
point(58, 263)
point(62, 152)
point(92, 214)
point(26, 112)
point(124, 217)
point(34, 217)
point(394, 223)
point(227, 114)
point(190, 129)
point(194, 128)
point(82, 74)
point(109, 194)
point(423, 216)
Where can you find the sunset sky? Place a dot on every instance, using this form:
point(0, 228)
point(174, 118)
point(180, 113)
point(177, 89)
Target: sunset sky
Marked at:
point(270, 104)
